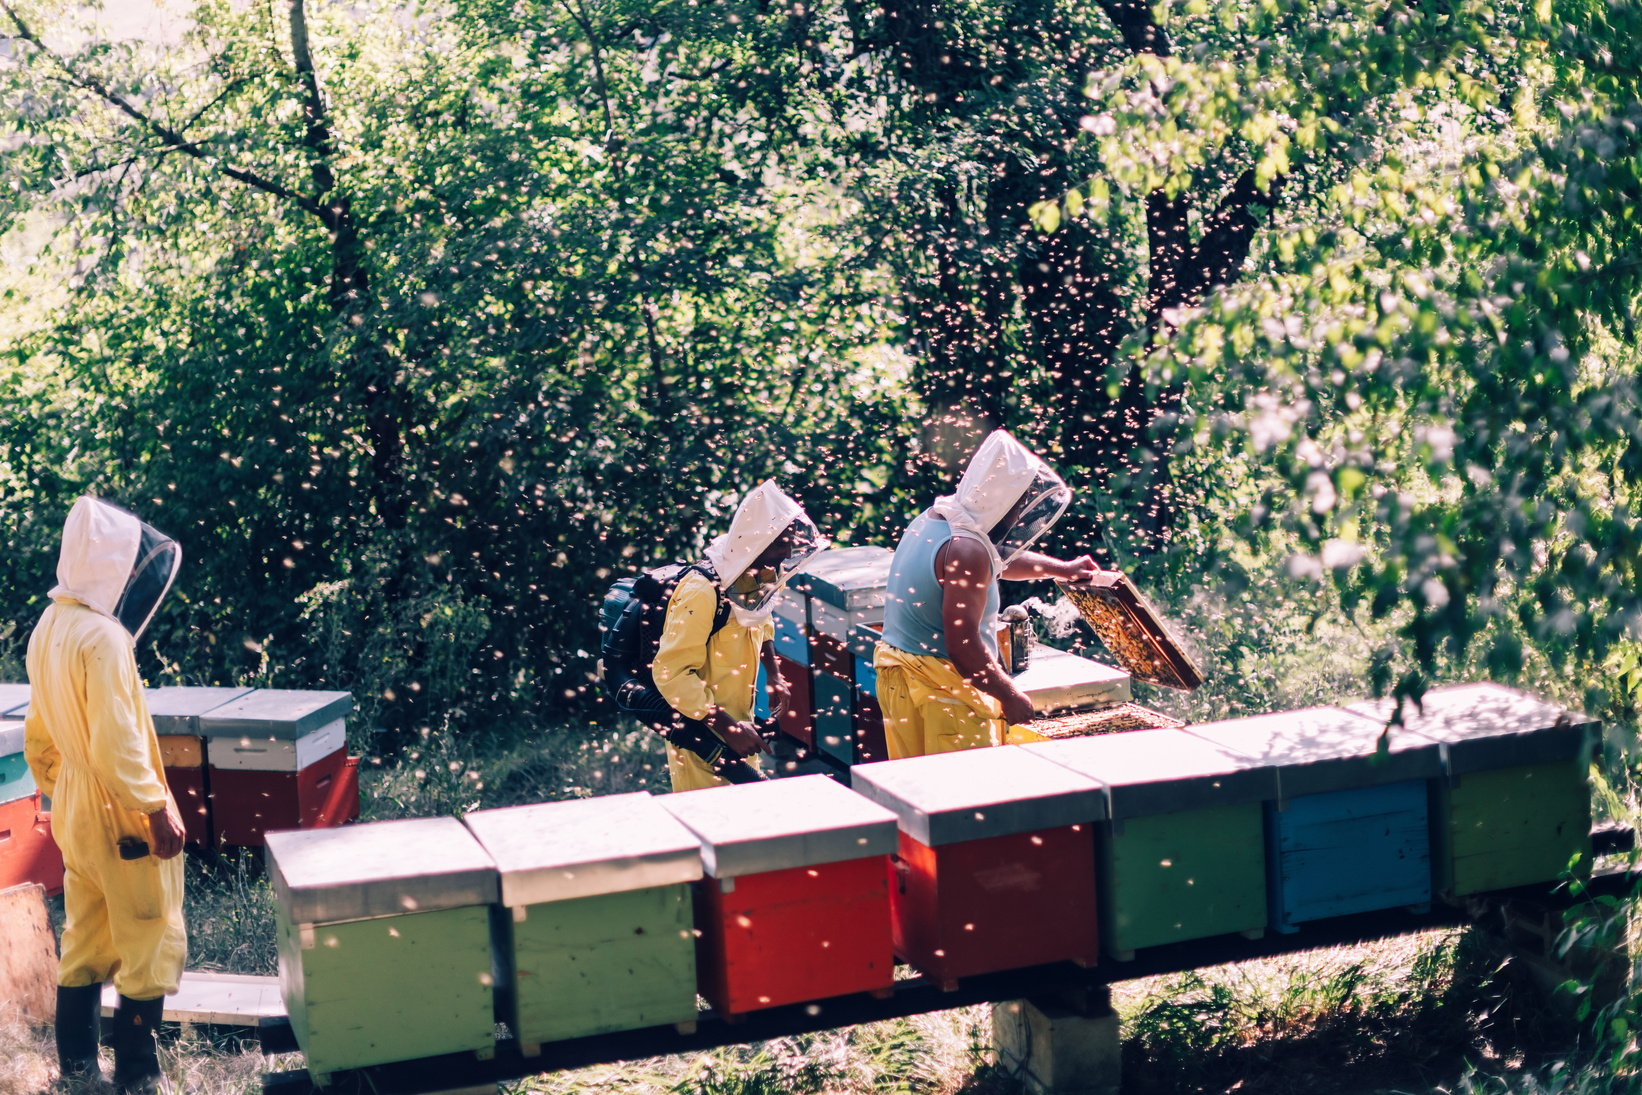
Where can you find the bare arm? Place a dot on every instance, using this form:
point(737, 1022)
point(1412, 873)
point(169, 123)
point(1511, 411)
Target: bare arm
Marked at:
point(1029, 566)
point(965, 573)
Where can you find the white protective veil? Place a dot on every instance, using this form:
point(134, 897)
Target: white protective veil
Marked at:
point(1006, 499)
point(115, 564)
point(764, 515)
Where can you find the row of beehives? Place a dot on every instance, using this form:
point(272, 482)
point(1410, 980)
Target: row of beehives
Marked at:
point(239, 761)
point(827, 625)
point(401, 940)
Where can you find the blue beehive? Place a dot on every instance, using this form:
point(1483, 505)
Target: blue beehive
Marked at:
point(1349, 831)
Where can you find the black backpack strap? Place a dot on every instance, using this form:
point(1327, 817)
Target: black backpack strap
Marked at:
point(721, 609)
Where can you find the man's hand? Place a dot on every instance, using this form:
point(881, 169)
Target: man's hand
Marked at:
point(1081, 569)
point(779, 696)
point(743, 738)
point(165, 833)
point(1017, 708)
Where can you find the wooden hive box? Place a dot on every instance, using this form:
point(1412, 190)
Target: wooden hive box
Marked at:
point(996, 862)
point(854, 580)
point(870, 745)
point(16, 781)
point(795, 903)
point(1515, 808)
point(596, 932)
point(1182, 853)
point(277, 759)
point(792, 655)
point(28, 853)
point(176, 711)
point(383, 933)
point(1349, 831)
point(1057, 680)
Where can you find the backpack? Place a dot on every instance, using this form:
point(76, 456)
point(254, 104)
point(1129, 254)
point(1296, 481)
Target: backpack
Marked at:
point(635, 613)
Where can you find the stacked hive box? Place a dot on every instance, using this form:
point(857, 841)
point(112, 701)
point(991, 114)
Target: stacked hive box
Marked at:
point(384, 941)
point(795, 905)
point(1348, 830)
point(1181, 855)
point(1515, 806)
point(792, 655)
point(596, 927)
point(278, 759)
point(27, 851)
point(1056, 680)
point(176, 712)
point(869, 717)
point(842, 589)
point(996, 862)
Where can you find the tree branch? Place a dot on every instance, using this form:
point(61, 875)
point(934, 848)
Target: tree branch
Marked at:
point(317, 136)
point(1134, 21)
point(172, 139)
point(1229, 232)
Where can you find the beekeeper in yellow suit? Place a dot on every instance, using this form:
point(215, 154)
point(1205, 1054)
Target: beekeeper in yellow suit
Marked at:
point(940, 684)
point(709, 675)
point(90, 744)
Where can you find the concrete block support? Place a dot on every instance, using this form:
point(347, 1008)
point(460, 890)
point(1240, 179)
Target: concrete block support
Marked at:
point(1059, 1050)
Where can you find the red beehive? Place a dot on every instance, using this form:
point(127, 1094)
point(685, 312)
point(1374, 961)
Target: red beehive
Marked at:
point(996, 868)
point(796, 719)
point(27, 851)
point(796, 905)
point(279, 760)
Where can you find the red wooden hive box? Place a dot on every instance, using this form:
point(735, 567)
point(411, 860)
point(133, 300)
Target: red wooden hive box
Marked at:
point(28, 853)
point(795, 905)
point(279, 760)
point(996, 868)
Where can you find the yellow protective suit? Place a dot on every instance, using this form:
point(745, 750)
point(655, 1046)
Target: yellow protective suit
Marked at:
point(90, 743)
point(930, 708)
point(697, 669)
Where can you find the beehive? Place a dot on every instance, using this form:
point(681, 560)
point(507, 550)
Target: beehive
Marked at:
point(27, 851)
point(870, 745)
point(853, 580)
point(597, 931)
point(1117, 718)
point(1349, 831)
point(1181, 855)
point(996, 860)
point(1515, 808)
point(176, 713)
point(1057, 680)
point(383, 933)
point(795, 902)
point(278, 759)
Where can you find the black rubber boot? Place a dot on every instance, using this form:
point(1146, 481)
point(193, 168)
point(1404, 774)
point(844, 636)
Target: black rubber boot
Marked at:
point(136, 1046)
point(79, 1026)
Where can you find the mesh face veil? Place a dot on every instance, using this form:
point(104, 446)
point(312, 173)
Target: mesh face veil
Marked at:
point(1041, 505)
point(158, 558)
point(755, 589)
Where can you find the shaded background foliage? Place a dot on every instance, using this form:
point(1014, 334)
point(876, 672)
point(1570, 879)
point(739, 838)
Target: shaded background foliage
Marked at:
point(414, 322)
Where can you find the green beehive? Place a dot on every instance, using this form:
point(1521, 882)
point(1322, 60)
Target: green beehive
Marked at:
point(596, 932)
point(1181, 855)
point(384, 941)
point(1515, 807)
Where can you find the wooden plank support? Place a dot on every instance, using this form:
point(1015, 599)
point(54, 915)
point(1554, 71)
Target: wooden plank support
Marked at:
point(1064, 982)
